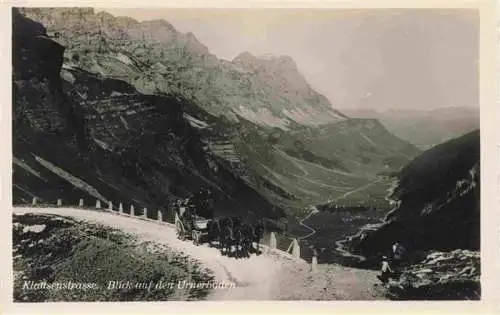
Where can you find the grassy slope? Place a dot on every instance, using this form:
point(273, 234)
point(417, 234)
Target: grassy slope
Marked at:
point(338, 163)
point(67, 250)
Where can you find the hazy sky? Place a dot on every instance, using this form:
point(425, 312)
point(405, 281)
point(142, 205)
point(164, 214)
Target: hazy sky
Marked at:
point(357, 58)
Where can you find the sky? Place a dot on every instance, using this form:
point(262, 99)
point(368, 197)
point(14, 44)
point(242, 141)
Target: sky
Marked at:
point(365, 58)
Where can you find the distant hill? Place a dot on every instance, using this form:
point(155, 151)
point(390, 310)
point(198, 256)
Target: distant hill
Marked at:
point(305, 166)
point(424, 128)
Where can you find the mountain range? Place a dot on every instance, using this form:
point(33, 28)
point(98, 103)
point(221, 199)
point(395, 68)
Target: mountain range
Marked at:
point(154, 57)
point(151, 109)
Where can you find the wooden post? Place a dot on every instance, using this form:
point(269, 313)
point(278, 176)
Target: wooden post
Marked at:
point(98, 204)
point(59, 202)
point(33, 202)
point(110, 206)
point(120, 208)
point(272, 241)
point(132, 212)
point(145, 213)
point(296, 248)
point(191, 269)
point(80, 204)
point(160, 217)
point(314, 263)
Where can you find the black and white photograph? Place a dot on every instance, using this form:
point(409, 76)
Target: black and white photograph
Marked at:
point(245, 154)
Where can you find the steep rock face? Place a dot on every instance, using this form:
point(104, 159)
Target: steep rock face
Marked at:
point(293, 96)
point(154, 57)
point(436, 202)
point(139, 149)
point(37, 61)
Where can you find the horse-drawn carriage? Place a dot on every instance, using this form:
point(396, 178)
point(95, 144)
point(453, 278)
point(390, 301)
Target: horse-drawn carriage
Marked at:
point(192, 222)
point(194, 219)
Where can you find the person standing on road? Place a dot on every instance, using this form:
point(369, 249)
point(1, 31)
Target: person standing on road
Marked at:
point(386, 270)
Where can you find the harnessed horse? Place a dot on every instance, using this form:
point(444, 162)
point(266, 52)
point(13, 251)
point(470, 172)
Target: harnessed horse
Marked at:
point(228, 237)
point(246, 233)
point(258, 232)
point(215, 233)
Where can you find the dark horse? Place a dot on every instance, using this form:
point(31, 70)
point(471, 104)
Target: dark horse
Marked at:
point(227, 236)
point(246, 233)
point(258, 233)
point(215, 234)
point(236, 226)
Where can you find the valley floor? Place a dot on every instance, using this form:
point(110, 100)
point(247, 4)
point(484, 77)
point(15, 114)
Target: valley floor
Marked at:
point(265, 277)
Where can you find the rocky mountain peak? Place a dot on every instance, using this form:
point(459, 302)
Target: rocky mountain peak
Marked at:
point(266, 61)
point(160, 23)
point(244, 56)
point(245, 60)
point(285, 62)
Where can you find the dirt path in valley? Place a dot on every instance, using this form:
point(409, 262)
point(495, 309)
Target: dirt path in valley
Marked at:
point(301, 222)
point(265, 277)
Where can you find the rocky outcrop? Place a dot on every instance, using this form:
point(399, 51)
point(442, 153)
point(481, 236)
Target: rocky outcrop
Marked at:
point(293, 98)
point(451, 275)
point(37, 61)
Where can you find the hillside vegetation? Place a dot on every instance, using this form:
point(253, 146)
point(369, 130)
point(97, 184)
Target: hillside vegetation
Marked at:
point(59, 250)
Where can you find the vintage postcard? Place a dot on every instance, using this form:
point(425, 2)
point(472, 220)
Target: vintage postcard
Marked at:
point(250, 153)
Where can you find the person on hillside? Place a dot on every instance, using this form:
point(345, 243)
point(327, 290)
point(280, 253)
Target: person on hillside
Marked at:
point(386, 271)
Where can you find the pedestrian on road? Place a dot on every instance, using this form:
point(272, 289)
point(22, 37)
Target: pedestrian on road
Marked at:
point(386, 271)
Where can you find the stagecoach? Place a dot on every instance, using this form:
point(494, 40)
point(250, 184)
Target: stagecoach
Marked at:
point(192, 222)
